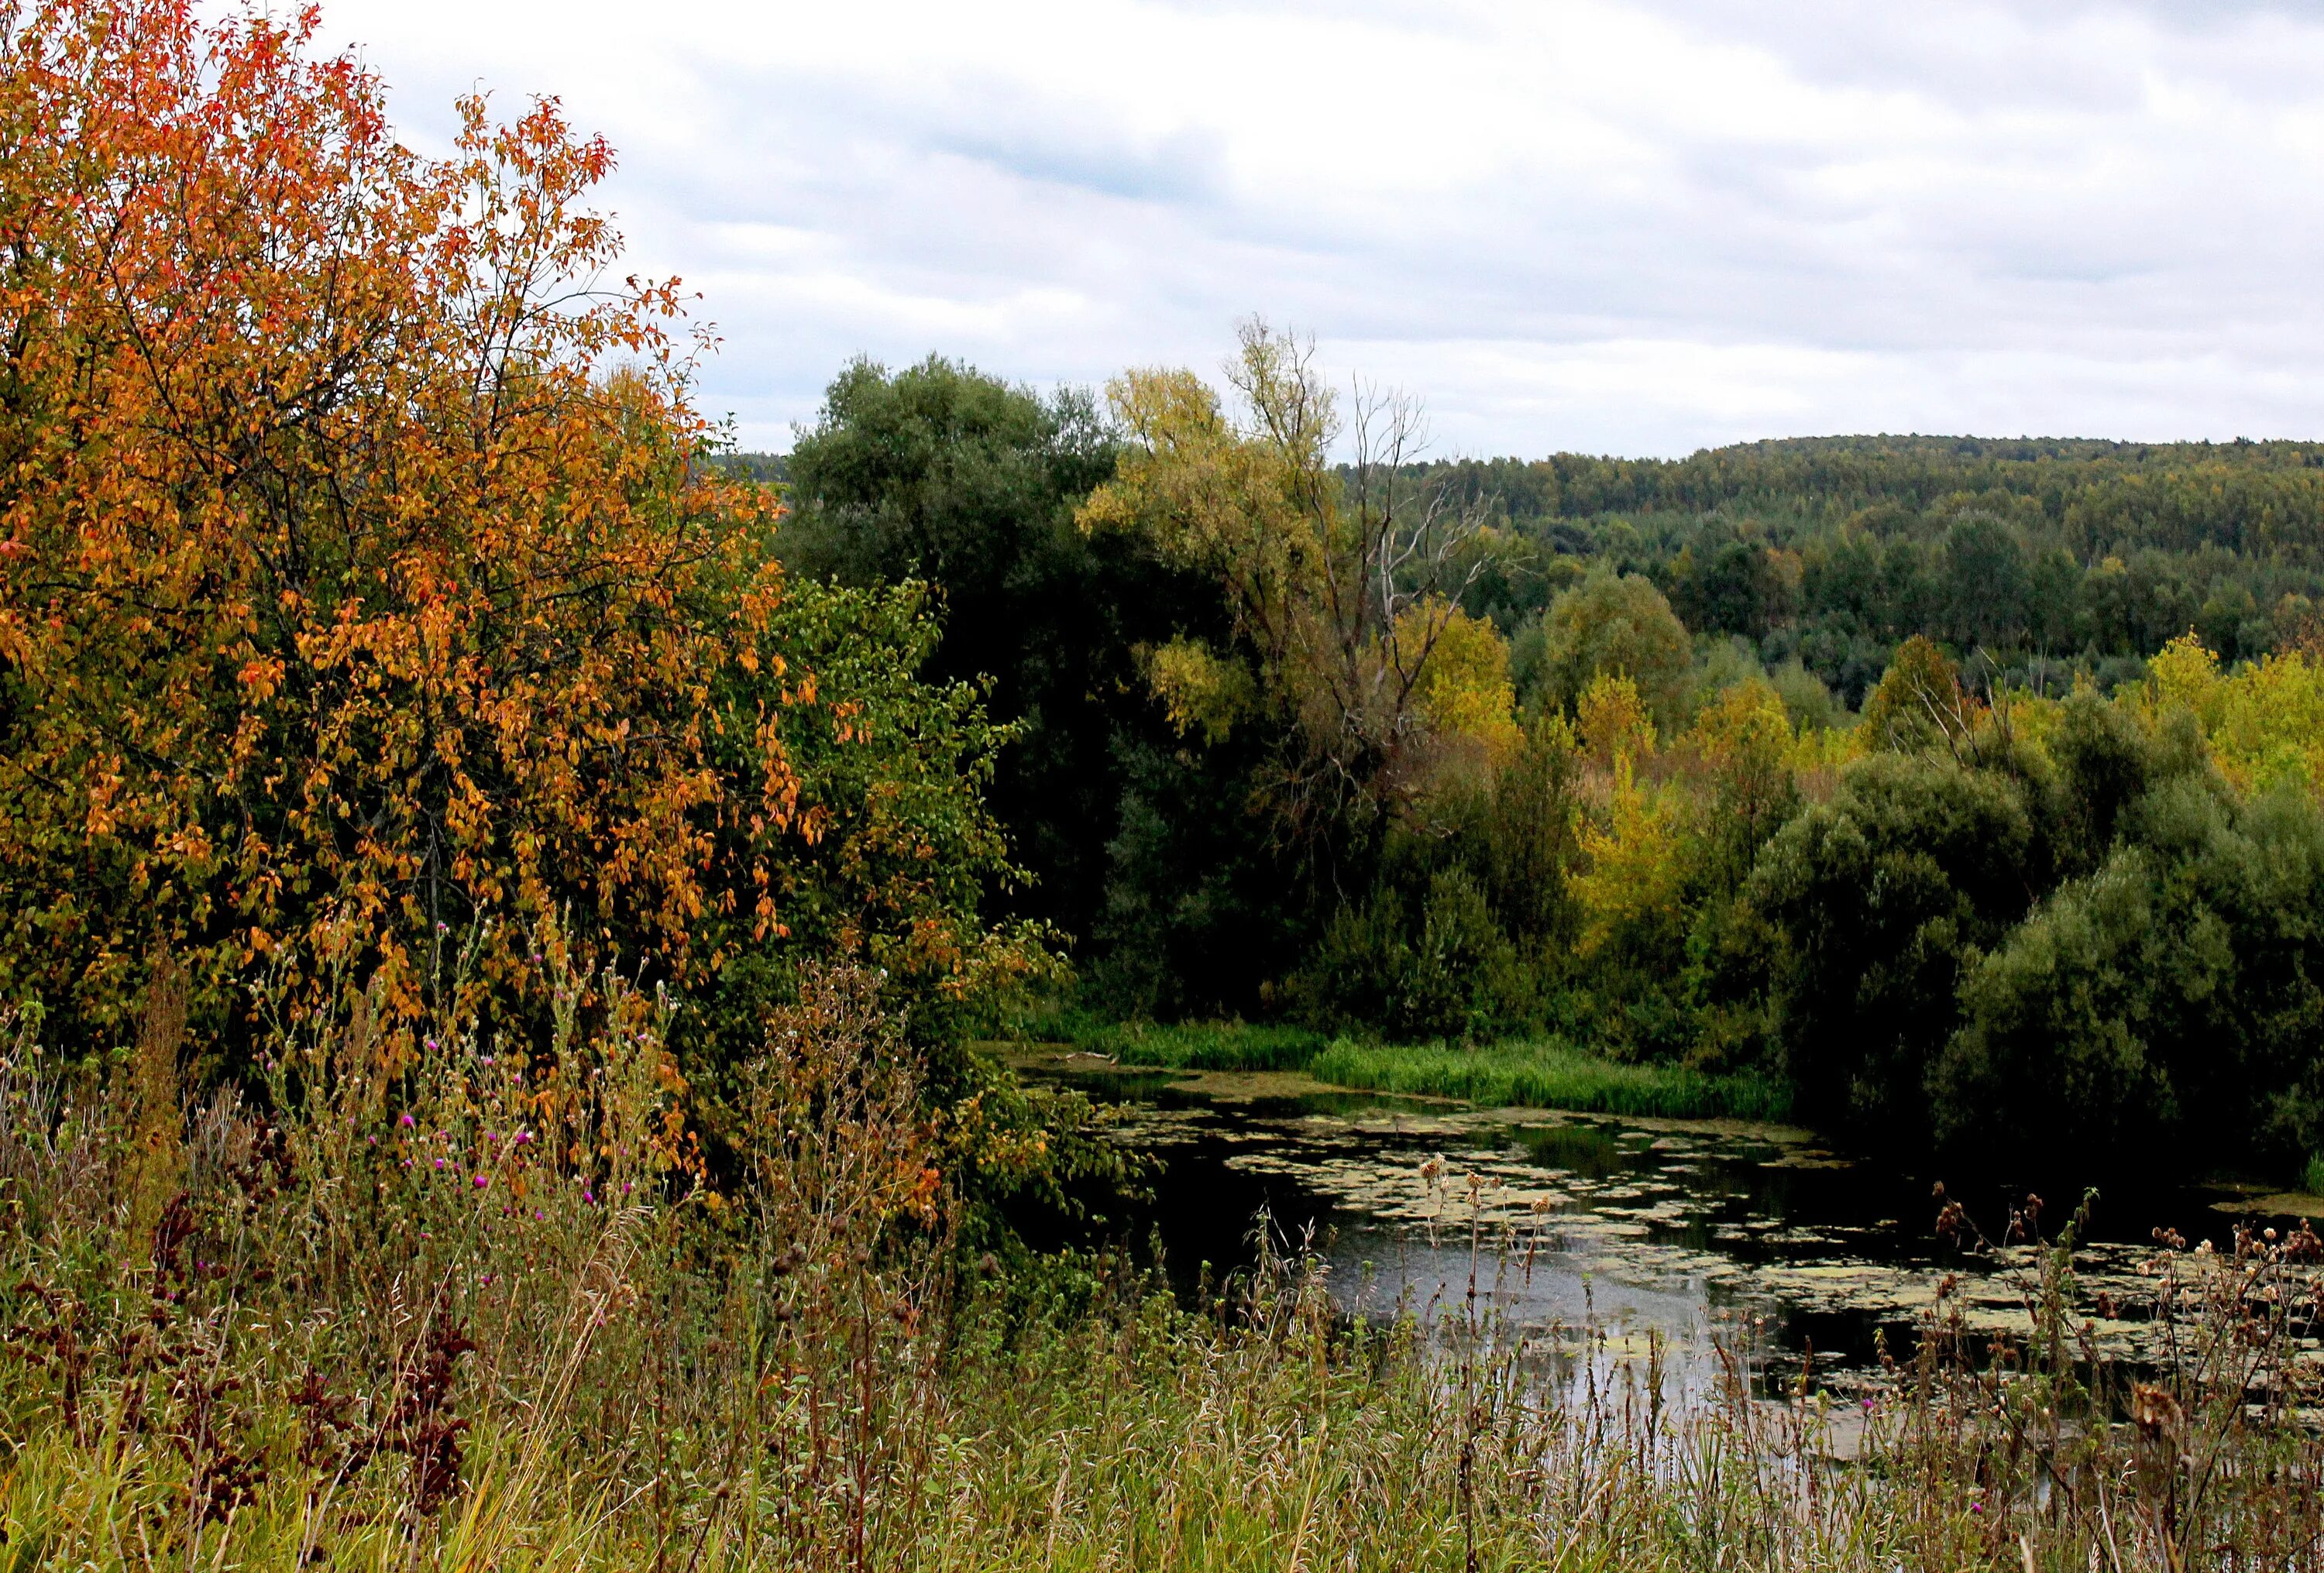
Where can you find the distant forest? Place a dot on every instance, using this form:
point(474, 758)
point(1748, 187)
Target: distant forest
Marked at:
point(2047, 556)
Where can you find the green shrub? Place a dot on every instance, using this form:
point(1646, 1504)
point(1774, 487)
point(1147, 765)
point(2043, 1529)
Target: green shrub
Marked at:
point(2164, 1002)
point(1877, 903)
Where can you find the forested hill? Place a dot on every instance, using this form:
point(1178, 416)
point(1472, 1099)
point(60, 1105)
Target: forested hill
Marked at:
point(2099, 496)
point(2049, 557)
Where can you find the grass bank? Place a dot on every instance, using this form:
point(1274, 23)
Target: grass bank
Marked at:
point(1193, 1045)
point(1550, 1075)
point(1544, 1074)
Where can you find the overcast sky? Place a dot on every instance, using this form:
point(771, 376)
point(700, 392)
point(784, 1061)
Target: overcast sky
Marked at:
point(1641, 226)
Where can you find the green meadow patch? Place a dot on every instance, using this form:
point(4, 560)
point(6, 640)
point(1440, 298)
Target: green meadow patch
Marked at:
point(1542, 1073)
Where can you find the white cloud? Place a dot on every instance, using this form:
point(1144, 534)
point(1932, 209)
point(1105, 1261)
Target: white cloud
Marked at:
point(1638, 226)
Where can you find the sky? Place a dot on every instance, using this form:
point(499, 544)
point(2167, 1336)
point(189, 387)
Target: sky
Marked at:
point(1627, 226)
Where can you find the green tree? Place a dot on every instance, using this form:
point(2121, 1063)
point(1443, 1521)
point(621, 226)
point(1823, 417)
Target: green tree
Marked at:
point(2053, 583)
point(2106, 763)
point(1614, 625)
point(1471, 919)
point(894, 848)
point(2226, 612)
point(1734, 588)
point(2167, 1002)
point(941, 474)
point(1985, 582)
point(1201, 915)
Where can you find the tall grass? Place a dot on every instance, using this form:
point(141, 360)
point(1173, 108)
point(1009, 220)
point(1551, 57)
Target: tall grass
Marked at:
point(1197, 1046)
point(326, 1351)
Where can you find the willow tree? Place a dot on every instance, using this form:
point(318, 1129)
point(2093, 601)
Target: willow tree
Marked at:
point(1344, 581)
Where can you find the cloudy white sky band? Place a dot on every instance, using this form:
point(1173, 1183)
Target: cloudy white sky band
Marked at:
point(1639, 226)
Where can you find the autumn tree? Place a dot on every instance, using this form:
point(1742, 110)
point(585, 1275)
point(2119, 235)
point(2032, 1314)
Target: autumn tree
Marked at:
point(1465, 696)
point(1920, 701)
point(1612, 721)
point(361, 585)
point(1744, 739)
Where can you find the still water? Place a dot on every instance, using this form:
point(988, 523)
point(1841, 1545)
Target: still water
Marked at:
point(1719, 1240)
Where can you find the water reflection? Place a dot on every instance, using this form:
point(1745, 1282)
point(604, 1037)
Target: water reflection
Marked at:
point(1785, 1252)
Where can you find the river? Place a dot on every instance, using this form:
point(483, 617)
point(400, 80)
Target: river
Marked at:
point(1709, 1240)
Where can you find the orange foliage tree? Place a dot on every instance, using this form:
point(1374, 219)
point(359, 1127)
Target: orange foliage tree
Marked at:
point(362, 584)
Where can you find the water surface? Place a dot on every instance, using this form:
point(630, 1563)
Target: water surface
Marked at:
point(1719, 1240)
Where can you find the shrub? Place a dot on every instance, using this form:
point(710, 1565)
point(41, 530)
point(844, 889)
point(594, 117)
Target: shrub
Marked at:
point(1878, 901)
point(2167, 1001)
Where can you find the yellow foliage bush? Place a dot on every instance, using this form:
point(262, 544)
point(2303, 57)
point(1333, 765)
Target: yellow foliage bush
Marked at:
point(1614, 722)
point(2265, 721)
point(1825, 749)
point(1464, 691)
point(1200, 688)
point(1746, 723)
point(1635, 864)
